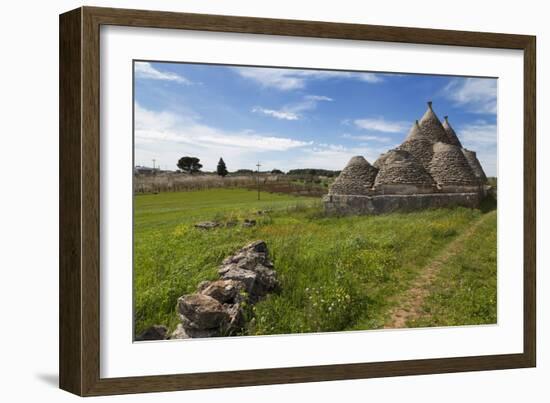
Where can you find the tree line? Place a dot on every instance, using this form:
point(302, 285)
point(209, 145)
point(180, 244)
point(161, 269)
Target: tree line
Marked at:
point(192, 165)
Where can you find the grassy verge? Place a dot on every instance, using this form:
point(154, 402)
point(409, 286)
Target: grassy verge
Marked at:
point(465, 291)
point(337, 273)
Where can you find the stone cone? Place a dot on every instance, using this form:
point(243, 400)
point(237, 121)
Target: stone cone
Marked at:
point(419, 145)
point(431, 126)
point(450, 167)
point(452, 138)
point(400, 167)
point(357, 178)
point(475, 165)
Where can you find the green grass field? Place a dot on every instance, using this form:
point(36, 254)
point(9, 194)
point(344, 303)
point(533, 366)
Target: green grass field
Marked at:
point(336, 273)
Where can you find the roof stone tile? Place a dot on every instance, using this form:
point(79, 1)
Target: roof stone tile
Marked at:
point(400, 167)
point(357, 178)
point(450, 167)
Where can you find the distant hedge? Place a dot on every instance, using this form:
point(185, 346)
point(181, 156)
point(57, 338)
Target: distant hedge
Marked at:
point(313, 172)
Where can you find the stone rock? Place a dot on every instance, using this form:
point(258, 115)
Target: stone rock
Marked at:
point(256, 246)
point(224, 291)
point(202, 285)
point(231, 223)
point(207, 225)
point(155, 332)
point(246, 277)
point(252, 267)
point(236, 316)
point(258, 281)
point(217, 307)
point(198, 311)
point(179, 333)
point(267, 281)
point(249, 223)
point(255, 252)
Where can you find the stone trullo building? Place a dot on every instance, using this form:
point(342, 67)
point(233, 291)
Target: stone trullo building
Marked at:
point(429, 169)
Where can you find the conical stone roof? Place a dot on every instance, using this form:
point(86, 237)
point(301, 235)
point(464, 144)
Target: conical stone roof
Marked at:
point(415, 132)
point(380, 161)
point(357, 178)
point(449, 166)
point(431, 126)
point(452, 138)
point(475, 165)
point(400, 167)
point(420, 146)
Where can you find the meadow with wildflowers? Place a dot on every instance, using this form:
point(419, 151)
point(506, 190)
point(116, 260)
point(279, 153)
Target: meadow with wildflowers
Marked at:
point(336, 273)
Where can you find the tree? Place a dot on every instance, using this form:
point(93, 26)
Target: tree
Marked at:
point(221, 169)
point(189, 164)
point(277, 172)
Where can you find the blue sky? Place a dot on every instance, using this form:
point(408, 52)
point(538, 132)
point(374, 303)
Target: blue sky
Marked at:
point(289, 118)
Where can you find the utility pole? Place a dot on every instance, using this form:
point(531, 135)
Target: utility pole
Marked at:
point(258, 174)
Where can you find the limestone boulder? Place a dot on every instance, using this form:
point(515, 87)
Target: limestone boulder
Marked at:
point(216, 309)
point(207, 225)
point(179, 333)
point(198, 311)
point(249, 223)
point(225, 291)
point(244, 276)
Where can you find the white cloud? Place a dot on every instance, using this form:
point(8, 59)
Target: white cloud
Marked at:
point(293, 111)
point(479, 95)
point(145, 70)
point(285, 115)
point(334, 156)
point(318, 98)
point(165, 135)
point(290, 79)
point(381, 125)
point(479, 134)
point(481, 137)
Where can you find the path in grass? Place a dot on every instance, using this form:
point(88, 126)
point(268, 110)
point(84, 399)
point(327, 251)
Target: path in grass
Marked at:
point(409, 304)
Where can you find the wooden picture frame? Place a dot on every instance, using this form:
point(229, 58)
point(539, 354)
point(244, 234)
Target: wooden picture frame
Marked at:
point(79, 200)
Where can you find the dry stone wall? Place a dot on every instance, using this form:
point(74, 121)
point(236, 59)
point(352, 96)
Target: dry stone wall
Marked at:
point(383, 204)
point(216, 309)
